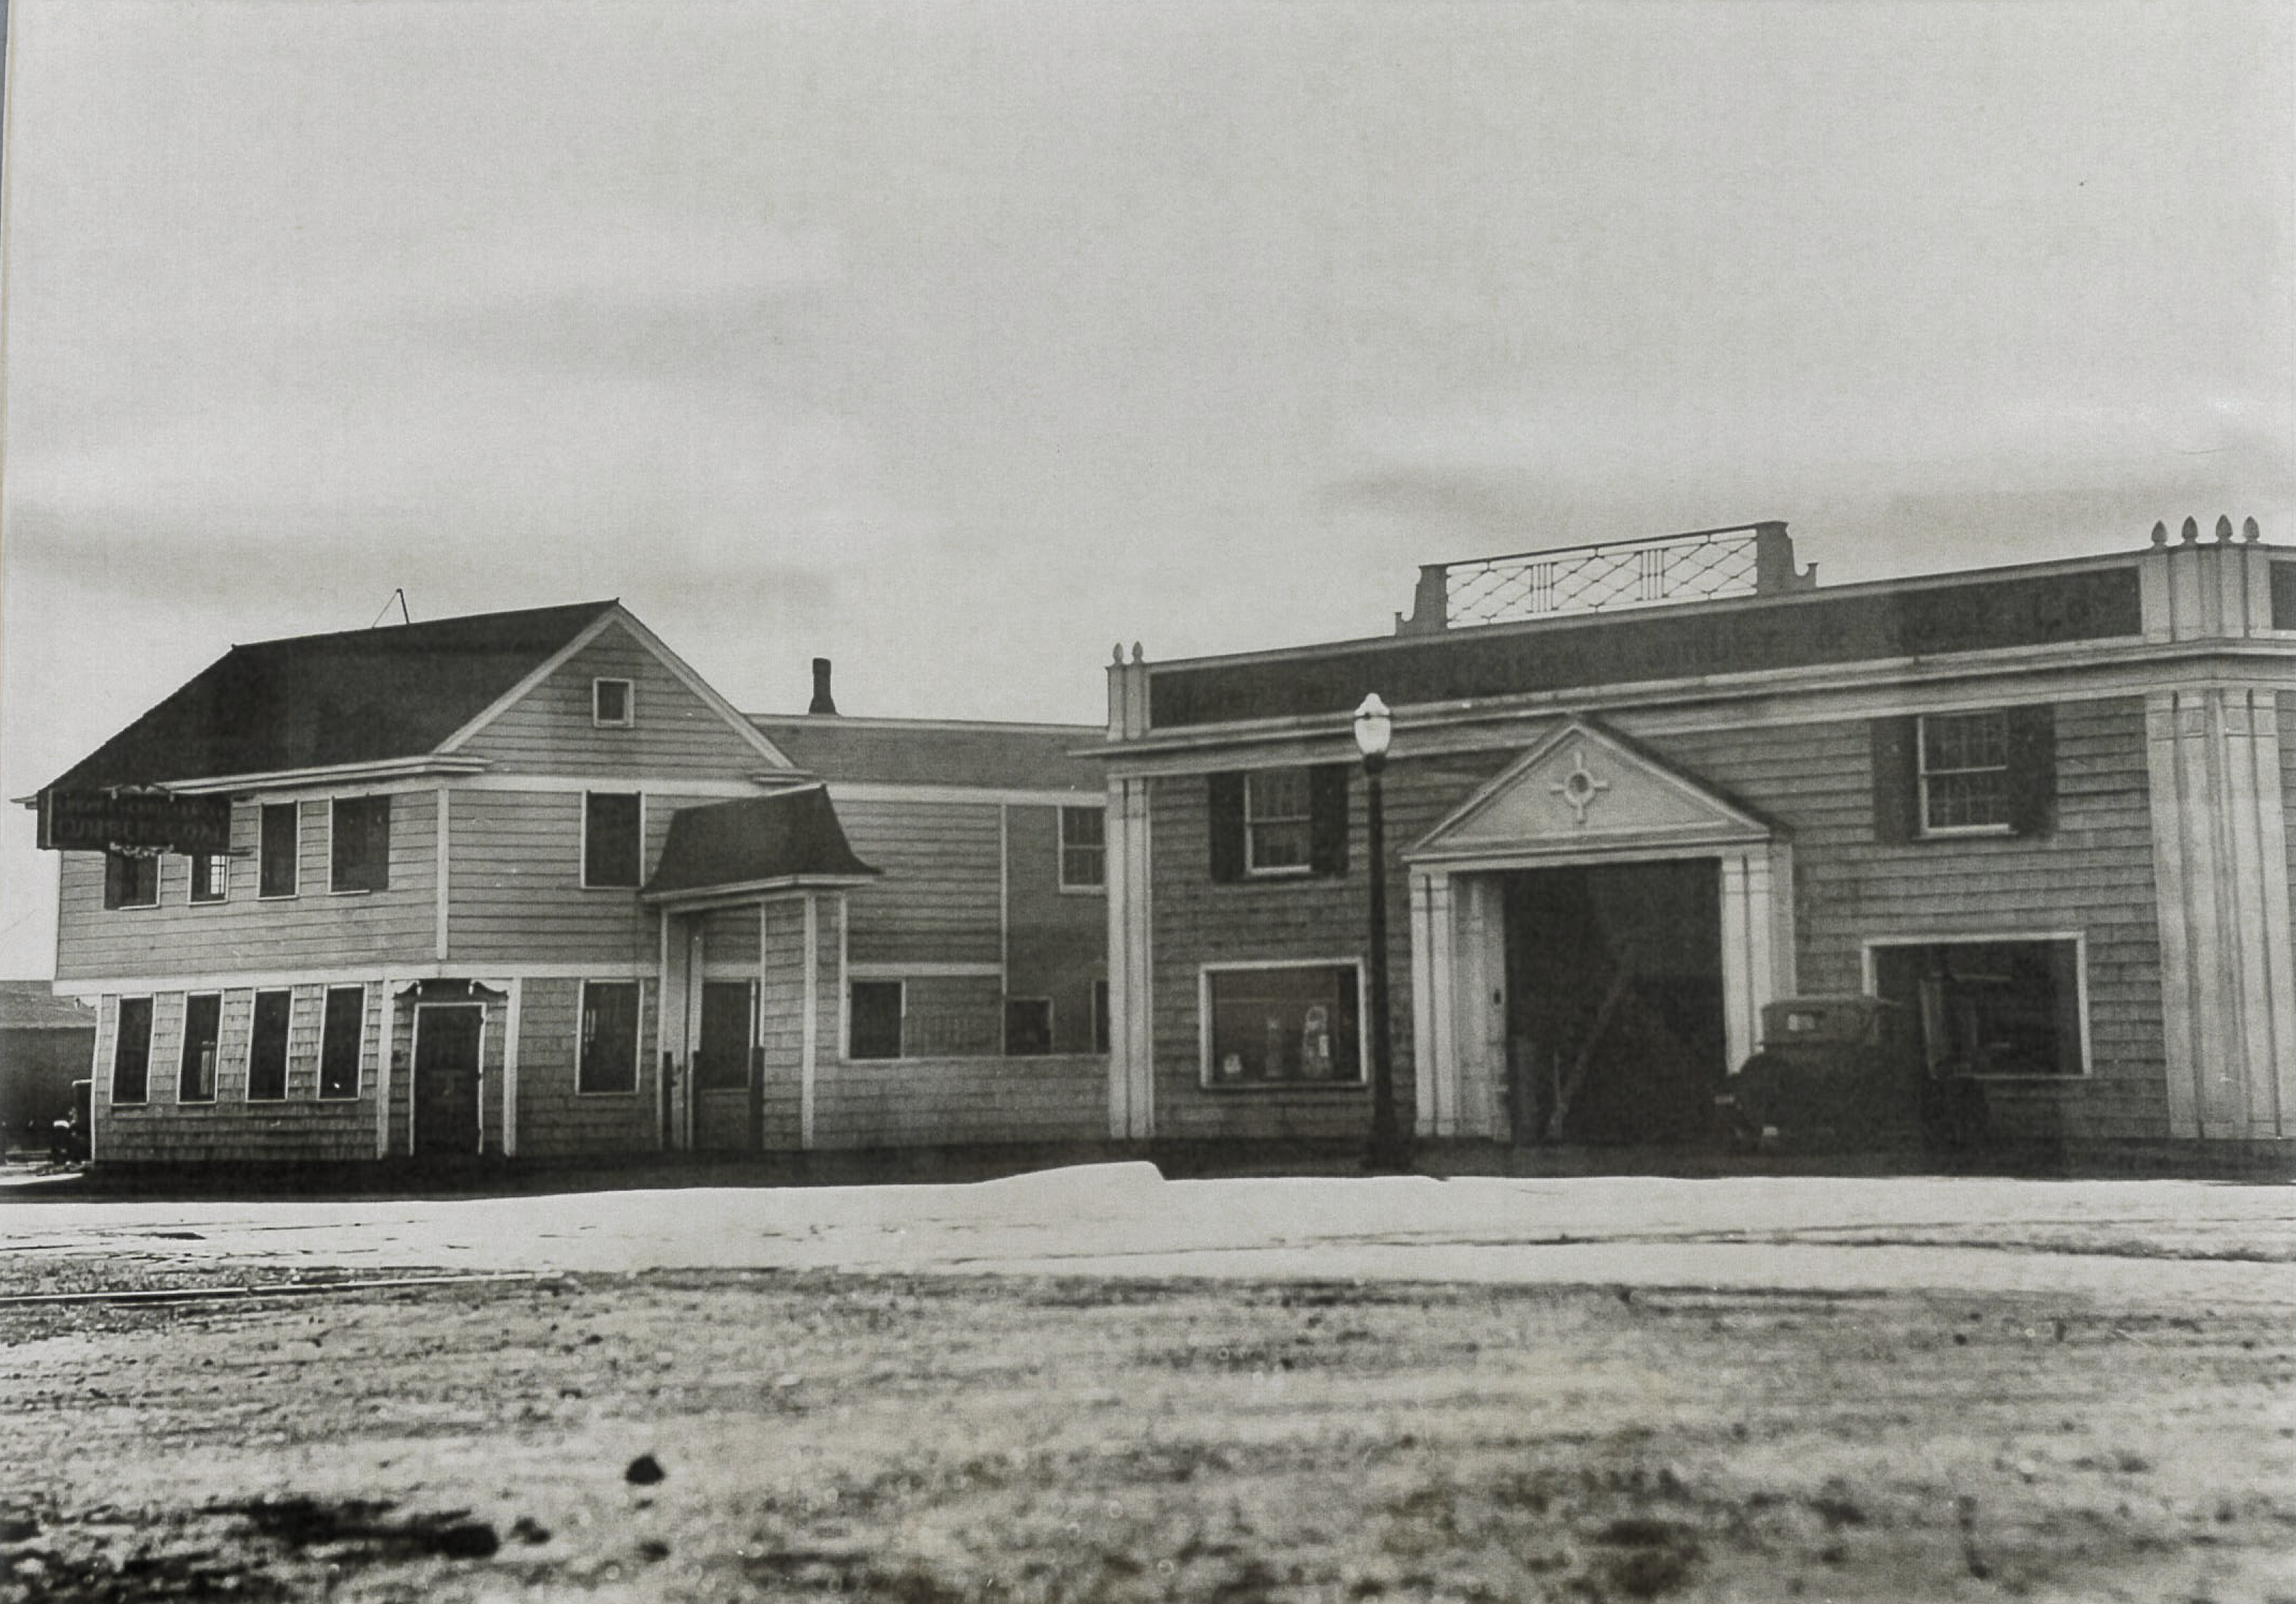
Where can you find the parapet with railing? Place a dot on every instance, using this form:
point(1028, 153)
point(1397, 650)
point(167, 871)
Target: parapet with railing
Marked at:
point(1698, 565)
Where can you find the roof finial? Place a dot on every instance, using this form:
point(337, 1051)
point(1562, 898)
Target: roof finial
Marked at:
point(2248, 532)
point(2191, 532)
point(1137, 655)
point(2224, 528)
point(2160, 533)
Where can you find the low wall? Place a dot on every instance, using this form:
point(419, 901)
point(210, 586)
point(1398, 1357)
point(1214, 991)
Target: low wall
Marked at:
point(933, 1102)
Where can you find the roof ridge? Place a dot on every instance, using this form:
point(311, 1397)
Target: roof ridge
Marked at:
point(400, 629)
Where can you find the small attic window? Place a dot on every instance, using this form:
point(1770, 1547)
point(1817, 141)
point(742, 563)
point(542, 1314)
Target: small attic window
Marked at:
point(610, 704)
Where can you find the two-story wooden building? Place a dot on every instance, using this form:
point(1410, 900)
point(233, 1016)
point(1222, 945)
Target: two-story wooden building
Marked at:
point(1637, 791)
point(523, 884)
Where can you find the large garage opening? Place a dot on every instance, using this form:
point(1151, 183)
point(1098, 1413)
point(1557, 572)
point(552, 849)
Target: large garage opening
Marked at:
point(1615, 1026)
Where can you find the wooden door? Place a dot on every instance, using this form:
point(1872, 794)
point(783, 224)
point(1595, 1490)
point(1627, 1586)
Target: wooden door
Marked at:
point(446, 1090)
point(721, 1066)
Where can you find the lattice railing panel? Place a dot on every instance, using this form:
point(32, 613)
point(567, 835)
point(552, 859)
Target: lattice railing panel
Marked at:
point(1602, 579)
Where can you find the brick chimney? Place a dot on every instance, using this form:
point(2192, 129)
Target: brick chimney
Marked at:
point(823, 702)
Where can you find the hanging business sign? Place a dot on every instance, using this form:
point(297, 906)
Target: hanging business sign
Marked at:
point(133, 821)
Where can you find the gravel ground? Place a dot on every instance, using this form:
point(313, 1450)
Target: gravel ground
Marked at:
point(919, 1439)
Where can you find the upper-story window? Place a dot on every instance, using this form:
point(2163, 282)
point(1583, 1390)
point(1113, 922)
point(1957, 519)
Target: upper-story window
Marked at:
point(281, 849)
point(360, 848)
point(130, 880)
point(613, 838)
point(612, 705)
point(210, 877)
point(1280, 823)
point(1964, 772)
point(1084, 848)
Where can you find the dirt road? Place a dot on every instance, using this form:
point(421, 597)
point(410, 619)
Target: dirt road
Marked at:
point(920, 1436)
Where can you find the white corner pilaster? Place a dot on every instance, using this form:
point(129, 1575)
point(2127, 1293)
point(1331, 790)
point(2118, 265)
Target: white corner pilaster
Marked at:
point(1131, 1045)
point(510, 1066)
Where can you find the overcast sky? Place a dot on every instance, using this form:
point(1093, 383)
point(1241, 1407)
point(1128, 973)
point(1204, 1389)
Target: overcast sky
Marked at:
point(956, 342)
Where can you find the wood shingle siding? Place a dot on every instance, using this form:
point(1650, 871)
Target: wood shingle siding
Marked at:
point(246, 934)
point(937, 1102)
point(1057, 943)
point(553, 1120)
point(302, 1128)
point(939, 901)
point(674, 732)
point(2091, 874)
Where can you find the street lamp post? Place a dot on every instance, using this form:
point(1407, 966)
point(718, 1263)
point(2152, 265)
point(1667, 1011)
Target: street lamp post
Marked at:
point(1390, 1143)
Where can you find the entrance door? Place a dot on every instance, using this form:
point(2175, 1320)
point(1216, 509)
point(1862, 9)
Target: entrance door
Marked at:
point(446, 1090)
point(721, 1066)
point(1614, 1000)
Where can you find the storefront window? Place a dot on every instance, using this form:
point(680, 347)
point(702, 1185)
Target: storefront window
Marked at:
point(1281, 1025)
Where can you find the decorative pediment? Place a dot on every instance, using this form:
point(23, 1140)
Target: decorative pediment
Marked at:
point(1582, 788)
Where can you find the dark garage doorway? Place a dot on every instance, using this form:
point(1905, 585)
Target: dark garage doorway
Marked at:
point(1615, 1031)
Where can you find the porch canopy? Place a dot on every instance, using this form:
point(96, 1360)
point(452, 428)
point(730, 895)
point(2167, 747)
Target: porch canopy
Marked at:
point(737, 851)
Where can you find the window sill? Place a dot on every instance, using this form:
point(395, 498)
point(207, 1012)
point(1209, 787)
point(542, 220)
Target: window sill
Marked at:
point(277, 895)
point(1249, 1088)
point(1962, 832)
point(355, 890)
point(254, 1101)
point(606, 1092)
point(1289, 871)
point(338, 1097)
point(1099, 890)
point(585, 885)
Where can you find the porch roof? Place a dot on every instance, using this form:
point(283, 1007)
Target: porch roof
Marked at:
point(789, 837)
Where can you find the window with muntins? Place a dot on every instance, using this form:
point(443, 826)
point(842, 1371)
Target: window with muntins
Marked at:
point(341, 1037)
point(874, 1026)
point(610, 706)
point(266, 1048)
point(610, 1036)
point(1287, 1025)
point(1276, 821)
point(277, 873)
point(131, 1052)
point(202, 1030)
point(1279, 823)
point(1084, 848)
point(131, 880)
point(210, 878)
point(1989, 1007)
point(612, 839)
point(359, 853)
point(1964, 772)
point(1951, 776)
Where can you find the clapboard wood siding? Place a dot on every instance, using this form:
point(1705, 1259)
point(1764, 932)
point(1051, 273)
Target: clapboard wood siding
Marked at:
point(730, 936)
point(555, 1119)
point(2092, 874)
point(935, 1102)
point(514, 884)
point(550, 730)
point(302, 1128)
point(938, 901)
point(1198, 921)
point(780, 1036)
point(315, 929)
point(1057, 941)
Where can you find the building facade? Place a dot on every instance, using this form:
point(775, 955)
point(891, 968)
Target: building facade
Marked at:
point(1636, 792)
point(522, 884)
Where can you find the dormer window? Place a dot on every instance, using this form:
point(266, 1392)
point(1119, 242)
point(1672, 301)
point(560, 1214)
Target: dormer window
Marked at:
point(611, 704)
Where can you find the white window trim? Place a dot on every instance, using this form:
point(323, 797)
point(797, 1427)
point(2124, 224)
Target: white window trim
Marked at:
point(1252, 868)
point(151, 1034)
point(192, 880)
point(2080, 938)
point(183, 1040)
point(1207, 1081)
point(629, 718)
point(862, 979)
point(294, 858)
point(319, 1093)
point(1098, 888)
point(334, 809)
point(582, 865)
point(159, 885)
point(1926, 830)
point(287, 1046)
point(637, 1041)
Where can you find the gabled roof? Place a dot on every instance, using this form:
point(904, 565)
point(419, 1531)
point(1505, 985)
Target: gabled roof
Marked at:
point(312, 702)
point(34, 1005)
point(916, 751)
point(789, 836)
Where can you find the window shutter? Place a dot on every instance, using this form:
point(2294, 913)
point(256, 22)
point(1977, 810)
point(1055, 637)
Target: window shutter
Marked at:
point(1227, 823)
point(1896, 786)
point(2032, 769)
point(1327, 818)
